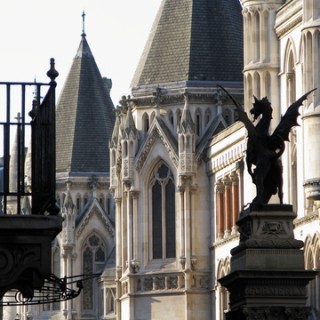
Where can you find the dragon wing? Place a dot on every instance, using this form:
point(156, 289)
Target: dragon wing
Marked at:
point(289, 120)
point(243, 117)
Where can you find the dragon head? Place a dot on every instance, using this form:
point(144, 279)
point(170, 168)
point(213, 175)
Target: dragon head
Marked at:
point(262, 106)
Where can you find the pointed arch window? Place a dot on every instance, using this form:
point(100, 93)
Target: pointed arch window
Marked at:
point(146, 122)
point(110, 301)
point(163, 213)
point(78, 202)
point(170, 117)
point(93, 261)
point(153, 115)
point(198, 122)
point(85, 199)
point(207, 117)
point(223, 294)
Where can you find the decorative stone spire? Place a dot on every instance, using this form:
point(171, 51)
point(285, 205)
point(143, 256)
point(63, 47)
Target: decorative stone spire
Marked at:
point(68, 214)
point(115, 133)
point(186, 123)
point(186, 138)
point(130, 126)
point(68, 204)
point(114, 152)
point(129, 144)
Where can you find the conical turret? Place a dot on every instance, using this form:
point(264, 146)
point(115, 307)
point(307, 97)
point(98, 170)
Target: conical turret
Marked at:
point(85, 117)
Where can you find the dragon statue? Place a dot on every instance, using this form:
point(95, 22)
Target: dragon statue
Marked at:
point(264, 150)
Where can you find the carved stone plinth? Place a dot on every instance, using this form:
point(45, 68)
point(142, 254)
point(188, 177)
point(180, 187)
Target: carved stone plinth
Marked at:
point(25, 251)
point(267, 279)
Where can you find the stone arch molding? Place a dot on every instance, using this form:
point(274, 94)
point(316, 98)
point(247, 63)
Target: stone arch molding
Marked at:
point(289, 49)
point(223, 267)
point(95, 210)
point(311, 251)
point(158, 131)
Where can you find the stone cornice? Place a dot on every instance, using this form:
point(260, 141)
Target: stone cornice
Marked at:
point(288, 17)
point(314, 216)
point(224, 241)
point(173, 93)
point(263, 66)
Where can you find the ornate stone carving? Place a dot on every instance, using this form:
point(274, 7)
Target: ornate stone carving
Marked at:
point(104, 219)
point(298, 313)
point(155, 134)
point(273, 228)
point(267, 268)
point(172, 282)
point(279, 291)
point(147, 284)
point(25, 252)
point(160, 282)
point(264, 313)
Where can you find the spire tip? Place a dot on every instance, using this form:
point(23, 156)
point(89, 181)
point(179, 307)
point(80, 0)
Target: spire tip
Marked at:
point(83, 24)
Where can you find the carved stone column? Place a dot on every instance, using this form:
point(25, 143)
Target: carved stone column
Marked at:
point(267, 280)
point(182, 258)
point(135, 264)
point(227, 206)
point(235, 200)
point(220, 209)
point(187, 227)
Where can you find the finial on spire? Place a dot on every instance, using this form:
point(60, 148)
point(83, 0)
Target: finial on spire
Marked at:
point(83, 24)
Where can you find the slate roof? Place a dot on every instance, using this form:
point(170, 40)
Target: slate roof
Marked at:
point(193, 40)
point(84, 117)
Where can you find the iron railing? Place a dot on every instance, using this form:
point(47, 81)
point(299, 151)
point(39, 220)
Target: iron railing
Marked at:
point(27, 180)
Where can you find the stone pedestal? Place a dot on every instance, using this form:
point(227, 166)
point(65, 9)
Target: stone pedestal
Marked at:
point(267, 279)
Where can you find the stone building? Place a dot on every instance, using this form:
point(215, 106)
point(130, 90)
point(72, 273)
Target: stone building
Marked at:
point(160, 174)
point(281, 49)
point(86, 245)
point(177, 172)
point(177, 152)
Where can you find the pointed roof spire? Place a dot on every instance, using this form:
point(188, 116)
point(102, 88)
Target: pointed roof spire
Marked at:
point(85, 117)
point(209, 46)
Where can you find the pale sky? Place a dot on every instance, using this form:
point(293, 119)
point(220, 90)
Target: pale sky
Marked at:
point(33, 31)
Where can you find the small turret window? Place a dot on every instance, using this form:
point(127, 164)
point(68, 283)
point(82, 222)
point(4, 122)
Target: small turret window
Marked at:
point(170, 117)
point(198, 122)
point(125, 149)
point(179, 114)
point(207, 117)
point(146, 123)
